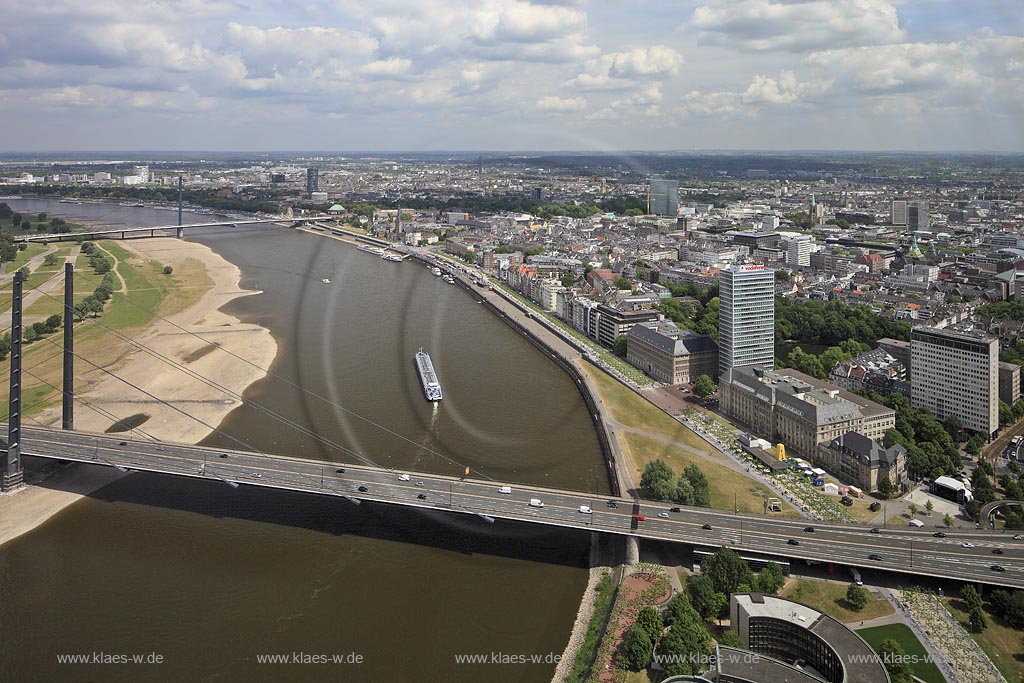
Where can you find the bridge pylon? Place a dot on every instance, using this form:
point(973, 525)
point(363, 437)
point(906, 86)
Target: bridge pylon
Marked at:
point(12, 470)
point(68, 398)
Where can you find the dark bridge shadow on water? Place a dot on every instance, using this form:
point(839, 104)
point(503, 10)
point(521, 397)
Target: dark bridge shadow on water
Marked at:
point(453, 532)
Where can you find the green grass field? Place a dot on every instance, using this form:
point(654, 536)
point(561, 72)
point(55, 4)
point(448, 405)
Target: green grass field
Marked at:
point(1001, 643)
point(925, 670)
point(830, 598)
point(728, 487)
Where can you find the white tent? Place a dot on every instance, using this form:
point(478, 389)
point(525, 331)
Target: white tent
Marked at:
point(831, 489)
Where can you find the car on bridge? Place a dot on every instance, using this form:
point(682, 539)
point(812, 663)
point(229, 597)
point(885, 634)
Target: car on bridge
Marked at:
point(612, 504)
point(706, 527)
point(640, 518)
point(403, 477)
point(585, 510)
point(876, 558)
point(998, 568)
point(362, 489)
point(876, 530)
point(422, 496)
point(663, 514)
point(340, 470)
point(505, 489)
point(965, 544)
point(809, 529)
point(793, 541)
point(939, 534)
point(997, 551)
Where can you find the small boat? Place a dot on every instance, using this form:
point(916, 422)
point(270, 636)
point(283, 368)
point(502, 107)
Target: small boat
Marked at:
point(436, 271)
point(326, 281)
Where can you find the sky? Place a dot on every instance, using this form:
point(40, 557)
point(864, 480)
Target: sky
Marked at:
point(596, 75)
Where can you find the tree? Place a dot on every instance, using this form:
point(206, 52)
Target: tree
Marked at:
point(657, 481)
point(650, 621)
point(885, 488)
point(679, 610)
point(50, 260)
point(894, 658)
point(621, 343)
point(701, 488)
point(771, 578)
point(857, 597)
point(972, 599)
point(168, 270)
point(1009, 605)
point(948, 521)
point(976, 620)
point(912, 509)
point(1005, 414)
point(636, 650)
point(701, 591)
point(93, 305)
point(727, 570)
point(622, 283)
point(929, 506)
point(704, 387)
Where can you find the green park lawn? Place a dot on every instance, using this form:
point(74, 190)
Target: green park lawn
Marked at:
point(902, 634)
point(830, 598)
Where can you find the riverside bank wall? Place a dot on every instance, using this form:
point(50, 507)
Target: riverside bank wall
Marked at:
point(607, 454)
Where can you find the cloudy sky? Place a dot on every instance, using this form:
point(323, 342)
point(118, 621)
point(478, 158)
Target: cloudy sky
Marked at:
point(511, 74)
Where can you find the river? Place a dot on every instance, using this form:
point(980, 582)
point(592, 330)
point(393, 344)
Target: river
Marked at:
point(212, 578)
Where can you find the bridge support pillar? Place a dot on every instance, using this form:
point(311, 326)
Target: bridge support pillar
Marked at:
point(180, 233)
point(632, 551)
point(68, 400)
point(12, 471)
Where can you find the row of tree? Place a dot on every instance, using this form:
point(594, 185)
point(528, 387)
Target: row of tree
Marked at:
point(832, 323)
point(659, 482)
point(932, 450)
point(687, 644)
point(821, 365)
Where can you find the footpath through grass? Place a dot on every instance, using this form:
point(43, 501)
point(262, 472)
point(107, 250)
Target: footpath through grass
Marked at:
point(128, 313)
point(728, 486)
point(921, 667)
point(1001, 643)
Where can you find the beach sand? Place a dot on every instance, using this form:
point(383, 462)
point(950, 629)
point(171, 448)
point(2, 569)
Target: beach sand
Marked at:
point(24, 511)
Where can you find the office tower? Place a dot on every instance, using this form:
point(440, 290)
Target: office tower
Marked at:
point(956, 374)
point(898, 212)
point(312, 180)
point(746, 317)
point(917, 215)
point(664, 197)
point(799, 251)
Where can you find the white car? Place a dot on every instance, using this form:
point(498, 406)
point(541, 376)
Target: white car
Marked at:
point(505, 489)
point(403, 477)
point(663, 514)
point(585, 509)
point(965, 544)
point(257, 475)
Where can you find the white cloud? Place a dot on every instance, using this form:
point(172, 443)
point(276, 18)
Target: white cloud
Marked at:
point(561, 104)
point(797, 25)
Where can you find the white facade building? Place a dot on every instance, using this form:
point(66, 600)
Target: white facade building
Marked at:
point(746, 317)
point(956, 374)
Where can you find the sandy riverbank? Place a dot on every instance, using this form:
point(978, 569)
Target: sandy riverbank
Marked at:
point(26, 510)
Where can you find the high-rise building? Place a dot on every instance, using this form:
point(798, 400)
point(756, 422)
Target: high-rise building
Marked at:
point(911, 213)
point(898, 212)
point(312, 180)
point(746, 317)
point(664, 197)
point(917, 215)
point(956, 374)
point(799, 251)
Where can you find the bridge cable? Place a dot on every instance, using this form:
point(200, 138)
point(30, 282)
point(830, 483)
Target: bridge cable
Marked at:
point(58, 391)
point(309, 392)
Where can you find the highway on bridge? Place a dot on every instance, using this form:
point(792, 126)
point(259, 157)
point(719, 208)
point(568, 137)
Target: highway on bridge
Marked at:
point(900, 550)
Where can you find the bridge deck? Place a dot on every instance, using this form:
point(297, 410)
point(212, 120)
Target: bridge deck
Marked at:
point(902, 550)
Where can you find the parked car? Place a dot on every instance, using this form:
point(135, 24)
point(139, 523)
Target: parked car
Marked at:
point(875, 507)
point(846, 500)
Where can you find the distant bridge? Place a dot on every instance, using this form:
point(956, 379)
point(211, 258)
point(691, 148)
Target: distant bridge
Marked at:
point(178, 230)
point(988, 508)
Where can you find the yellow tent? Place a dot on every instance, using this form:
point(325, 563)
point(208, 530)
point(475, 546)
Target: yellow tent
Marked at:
point(780, 451)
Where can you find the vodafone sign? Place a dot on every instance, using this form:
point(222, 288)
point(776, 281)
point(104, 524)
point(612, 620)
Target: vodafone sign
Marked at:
point(751, 267)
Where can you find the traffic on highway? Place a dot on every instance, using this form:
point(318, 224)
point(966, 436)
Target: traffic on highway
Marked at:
point(979, 555)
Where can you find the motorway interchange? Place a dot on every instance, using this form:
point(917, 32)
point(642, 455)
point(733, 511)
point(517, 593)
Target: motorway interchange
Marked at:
point(978, 555)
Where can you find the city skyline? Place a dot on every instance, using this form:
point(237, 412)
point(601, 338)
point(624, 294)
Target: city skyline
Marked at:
point(918, 75)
